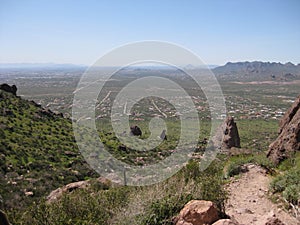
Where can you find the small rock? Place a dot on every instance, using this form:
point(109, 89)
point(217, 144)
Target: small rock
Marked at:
point(225, 222)
point(29, 193)
point(274, 221)
point(136, 131)
point(244, 211)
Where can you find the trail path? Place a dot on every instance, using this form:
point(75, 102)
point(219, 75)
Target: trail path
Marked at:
point(248, 201)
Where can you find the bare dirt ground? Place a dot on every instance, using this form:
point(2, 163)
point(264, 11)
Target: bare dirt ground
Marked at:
point(248, 200)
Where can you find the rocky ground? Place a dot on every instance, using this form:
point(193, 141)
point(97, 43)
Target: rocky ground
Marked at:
point(248, 200)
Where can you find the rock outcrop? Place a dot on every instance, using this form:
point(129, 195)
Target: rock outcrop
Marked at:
point(198, 212)
point(288, 140)
point(136, 131)
point(163, 135)
point(231, 136)
point(227, 136)
point(3, 218)
point(11, 89)
point(56, 194)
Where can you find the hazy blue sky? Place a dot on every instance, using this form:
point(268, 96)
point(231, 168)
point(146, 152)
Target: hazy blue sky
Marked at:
point(68, 31)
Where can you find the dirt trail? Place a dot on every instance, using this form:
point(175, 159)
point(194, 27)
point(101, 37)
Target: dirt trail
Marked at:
point(248, 201)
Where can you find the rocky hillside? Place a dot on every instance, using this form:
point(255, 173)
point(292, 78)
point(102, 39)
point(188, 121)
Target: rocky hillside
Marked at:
point(288, 141)
point(38, 152)
point(258, 71)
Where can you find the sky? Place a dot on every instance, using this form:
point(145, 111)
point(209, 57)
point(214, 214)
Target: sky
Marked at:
point(80, 32)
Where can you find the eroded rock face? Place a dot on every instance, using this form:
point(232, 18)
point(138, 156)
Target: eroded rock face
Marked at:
point(231, 134)
point(11, 89)
point(136, 131)
point(288, 140)
point(198, 212)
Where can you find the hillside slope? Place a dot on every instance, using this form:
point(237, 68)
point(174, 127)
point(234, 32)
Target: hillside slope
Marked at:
point(38, 152)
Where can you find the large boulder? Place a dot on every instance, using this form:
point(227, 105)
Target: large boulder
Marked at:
point(288, 140)
point(198, 212)
point(11, 89)
point(136, 131)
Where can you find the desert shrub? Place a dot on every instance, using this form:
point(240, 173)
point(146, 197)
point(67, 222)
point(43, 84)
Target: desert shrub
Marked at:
point(190, 183)
point(290, 163)
point(235, 165)
point(288, 184)
point(161, 212)
point(79, 207)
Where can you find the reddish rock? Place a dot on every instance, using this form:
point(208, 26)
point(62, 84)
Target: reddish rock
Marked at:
point(198, 212)
point(288, 140)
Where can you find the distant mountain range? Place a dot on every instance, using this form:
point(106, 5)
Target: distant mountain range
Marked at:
point(256, 69)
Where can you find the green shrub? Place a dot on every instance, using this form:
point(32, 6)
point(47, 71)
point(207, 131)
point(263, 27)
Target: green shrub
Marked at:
point(288, 184)
point(292, 193)
point(235, 164)
point(79, 207)
point(161, 211)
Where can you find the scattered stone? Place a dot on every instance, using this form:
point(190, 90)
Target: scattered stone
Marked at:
point(46, 112)
point(288, 141)
point(136, 131)
point(244, 211)
point(197, 212)
point(10, 89)
point(35, 104)
point(29, 193)
point(274, 221)
point(122, 148)
point(71, 154)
